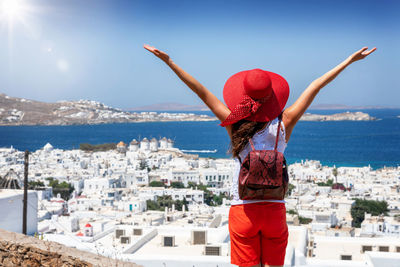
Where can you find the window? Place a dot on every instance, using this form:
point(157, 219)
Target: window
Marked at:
point(384, 248)
point(366, 248)
point(397, 249)
point(345, 257)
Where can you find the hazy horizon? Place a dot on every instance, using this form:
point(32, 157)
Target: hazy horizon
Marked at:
point(70, 50)
point(201, 105)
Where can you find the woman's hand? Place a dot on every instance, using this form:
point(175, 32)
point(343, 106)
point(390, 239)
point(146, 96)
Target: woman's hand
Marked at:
point(215, 105)
point(361, 54)
point(160, 54)
point(292, 114)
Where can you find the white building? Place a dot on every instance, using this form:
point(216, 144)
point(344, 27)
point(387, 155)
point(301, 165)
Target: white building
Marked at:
point(134, 146)
point(11, 203)
point(380, 226)
point(163, 143)
point(184, 176)
point(145, 144)
point(97, 185)
point(154, 145)
point(350, 248)
point(213, 177)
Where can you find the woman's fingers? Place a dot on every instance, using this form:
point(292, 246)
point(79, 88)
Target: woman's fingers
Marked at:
point(361, 54)
point(152, 49)
point(366, 53)
point(149, 48)
point(361, 50)
point(160, 54)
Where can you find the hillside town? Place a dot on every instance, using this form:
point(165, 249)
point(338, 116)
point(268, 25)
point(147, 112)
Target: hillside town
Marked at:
point(149, 197)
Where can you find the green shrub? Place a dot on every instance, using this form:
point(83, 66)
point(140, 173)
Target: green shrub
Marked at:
point(166, 201)
point(177, 185)
point(328, 183)
point(64, 189)
point(362, 206)
point(293, 212)
point(94, 148)
point(304, 220)
point(156, 184)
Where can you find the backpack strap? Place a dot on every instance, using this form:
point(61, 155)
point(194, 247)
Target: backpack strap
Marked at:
point(252, 144)
point(277, 131)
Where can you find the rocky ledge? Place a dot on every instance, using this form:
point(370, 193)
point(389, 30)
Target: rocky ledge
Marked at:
point(20, 111)
point(21, 250)
point(345, 116)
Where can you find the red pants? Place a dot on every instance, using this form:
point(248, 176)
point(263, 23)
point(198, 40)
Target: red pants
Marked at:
point(258, 233)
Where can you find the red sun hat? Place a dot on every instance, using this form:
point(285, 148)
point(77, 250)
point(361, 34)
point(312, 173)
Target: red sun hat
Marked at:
point(255, 95)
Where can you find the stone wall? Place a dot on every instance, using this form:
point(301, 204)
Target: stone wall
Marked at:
point(21, 250)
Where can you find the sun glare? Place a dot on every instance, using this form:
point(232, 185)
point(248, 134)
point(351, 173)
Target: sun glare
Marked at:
point(10, 9)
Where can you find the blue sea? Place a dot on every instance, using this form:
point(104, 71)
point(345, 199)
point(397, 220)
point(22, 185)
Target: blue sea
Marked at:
point(341, 143)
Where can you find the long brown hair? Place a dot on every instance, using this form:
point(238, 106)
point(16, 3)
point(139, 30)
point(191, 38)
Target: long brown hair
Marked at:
point(242, 131)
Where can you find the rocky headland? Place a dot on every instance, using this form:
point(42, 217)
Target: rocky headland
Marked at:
point(20, 111)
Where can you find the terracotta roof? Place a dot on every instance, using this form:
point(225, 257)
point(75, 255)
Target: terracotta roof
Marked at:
point(121, 143)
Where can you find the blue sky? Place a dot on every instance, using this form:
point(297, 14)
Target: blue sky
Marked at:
point(92, 49)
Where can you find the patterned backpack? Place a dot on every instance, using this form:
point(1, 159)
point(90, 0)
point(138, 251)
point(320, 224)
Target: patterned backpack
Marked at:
point(263, 173)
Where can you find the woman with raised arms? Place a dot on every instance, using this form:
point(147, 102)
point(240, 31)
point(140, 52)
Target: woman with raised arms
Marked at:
point(255, 107)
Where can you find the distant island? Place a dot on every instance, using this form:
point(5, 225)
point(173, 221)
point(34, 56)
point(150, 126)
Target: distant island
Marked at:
point(20, 111)
point(345, 116)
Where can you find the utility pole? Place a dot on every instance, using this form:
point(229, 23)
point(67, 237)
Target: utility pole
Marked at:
point(25, 210)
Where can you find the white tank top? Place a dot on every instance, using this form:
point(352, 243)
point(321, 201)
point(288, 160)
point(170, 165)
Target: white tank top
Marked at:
point(263, 140)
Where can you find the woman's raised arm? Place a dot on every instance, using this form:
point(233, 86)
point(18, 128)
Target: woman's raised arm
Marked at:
point(292, 114)
point(215, 105)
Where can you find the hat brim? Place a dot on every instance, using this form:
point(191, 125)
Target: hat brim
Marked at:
point(234, 91)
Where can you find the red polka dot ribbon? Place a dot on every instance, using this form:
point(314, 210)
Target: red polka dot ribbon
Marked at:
point(247, 107)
